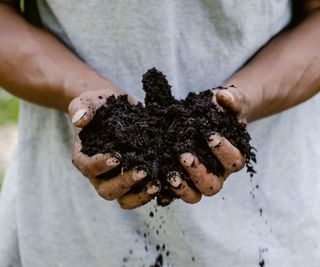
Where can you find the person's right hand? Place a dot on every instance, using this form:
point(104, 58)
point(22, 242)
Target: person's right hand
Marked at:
point(82, 110)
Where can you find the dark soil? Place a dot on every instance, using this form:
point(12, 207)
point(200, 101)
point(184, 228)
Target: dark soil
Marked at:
point(153, 136)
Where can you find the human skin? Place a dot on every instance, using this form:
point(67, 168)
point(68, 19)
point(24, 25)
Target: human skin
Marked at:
point(284, 73)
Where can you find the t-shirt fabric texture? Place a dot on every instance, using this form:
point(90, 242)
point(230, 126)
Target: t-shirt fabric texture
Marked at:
point(50, 215)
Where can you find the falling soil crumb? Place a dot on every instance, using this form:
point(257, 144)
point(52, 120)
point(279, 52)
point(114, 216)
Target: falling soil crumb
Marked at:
point(262, 252)
point(159, 261)
point(152, 137)
point(260, 212)
point(154, 223)
point(159, 251)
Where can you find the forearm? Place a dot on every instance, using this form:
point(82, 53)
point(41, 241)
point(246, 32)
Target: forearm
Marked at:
point(37, 67)
point(285, 72)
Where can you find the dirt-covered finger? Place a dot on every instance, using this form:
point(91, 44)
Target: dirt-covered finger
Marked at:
point(118, 186)
point(135, 200)
point(229, 156)
point(207, 183)
point(94, 165)
point(181, 188)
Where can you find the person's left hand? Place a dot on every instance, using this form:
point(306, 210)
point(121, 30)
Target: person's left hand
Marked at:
point(205, 183)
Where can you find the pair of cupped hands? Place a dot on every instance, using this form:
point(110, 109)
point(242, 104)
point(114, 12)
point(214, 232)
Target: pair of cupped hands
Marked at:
point(82, 110)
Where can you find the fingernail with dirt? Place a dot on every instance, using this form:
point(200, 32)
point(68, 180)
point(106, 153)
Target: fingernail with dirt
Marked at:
point(174, 179)
point(78, 115)
point(112, 162)
point(116, 155)
point(139, 174)
point(152, 189)
point(214, 140)
point(187, 159)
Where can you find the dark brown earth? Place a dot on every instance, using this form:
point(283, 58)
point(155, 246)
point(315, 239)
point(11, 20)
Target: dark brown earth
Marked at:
point(153, 136)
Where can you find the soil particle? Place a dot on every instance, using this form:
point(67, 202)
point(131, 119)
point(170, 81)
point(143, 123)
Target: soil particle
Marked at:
point(261, 263)
point(260, 211)
point(159, 261)
point(153, 136)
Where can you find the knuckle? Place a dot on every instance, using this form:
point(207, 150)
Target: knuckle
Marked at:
point(75, 160)
point(79, 164)
point(106, 194)
point(213, 189)
point(96, 165)
point(85, 166)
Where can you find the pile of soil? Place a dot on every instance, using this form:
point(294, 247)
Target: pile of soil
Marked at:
point(153, 136)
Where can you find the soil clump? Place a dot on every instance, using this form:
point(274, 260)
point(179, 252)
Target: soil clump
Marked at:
point(152, 136)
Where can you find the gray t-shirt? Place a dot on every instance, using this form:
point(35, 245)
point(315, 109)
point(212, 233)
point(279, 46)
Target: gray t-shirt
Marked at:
point(51, 216)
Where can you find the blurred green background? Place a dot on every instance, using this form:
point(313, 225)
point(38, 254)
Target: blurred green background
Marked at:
point(9, 109)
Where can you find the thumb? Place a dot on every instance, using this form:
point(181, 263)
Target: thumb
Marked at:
point(81, 111)
point(233, 99)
